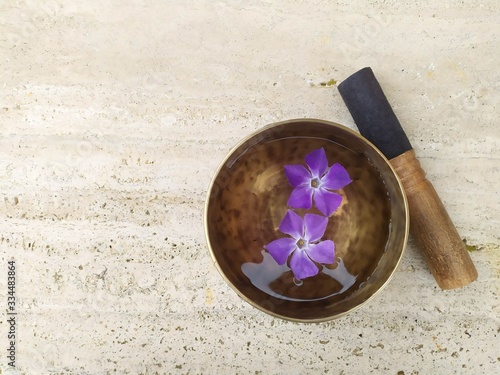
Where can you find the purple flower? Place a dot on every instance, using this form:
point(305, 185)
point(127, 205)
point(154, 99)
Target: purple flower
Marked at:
point(304, 244)
point(317, 181)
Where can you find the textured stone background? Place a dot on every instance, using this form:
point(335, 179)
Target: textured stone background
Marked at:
point(114, 116)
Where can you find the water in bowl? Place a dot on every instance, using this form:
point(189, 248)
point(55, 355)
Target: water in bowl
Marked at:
point(252, 200)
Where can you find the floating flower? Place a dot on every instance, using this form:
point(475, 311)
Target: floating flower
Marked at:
point(317, 181)
point(304, 244)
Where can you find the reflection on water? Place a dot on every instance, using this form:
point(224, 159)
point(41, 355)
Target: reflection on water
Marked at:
point(271, 278)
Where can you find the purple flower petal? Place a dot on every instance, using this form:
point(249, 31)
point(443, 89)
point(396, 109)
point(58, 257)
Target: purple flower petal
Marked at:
point(301, 197)
point(292, 224)
point(323, 252)
point(297, 175)
point(280, 249)
point(315, 226)
point(302, 266)
point(326, 201)
point(317, 162)
point(336, 178)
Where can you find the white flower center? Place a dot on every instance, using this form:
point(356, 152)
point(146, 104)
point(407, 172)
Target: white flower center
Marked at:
point(301, 243)
point(315, 182)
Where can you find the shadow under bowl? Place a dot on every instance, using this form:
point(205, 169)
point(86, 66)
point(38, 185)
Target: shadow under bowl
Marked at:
point(247, 200)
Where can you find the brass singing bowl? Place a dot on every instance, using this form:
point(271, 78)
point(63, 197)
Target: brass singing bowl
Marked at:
point(247, 200)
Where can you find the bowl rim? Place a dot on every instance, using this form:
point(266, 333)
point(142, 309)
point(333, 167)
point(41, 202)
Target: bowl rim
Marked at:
point(230, 153)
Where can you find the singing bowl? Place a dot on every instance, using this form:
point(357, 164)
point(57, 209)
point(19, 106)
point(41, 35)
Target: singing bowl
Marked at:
point(248, 198)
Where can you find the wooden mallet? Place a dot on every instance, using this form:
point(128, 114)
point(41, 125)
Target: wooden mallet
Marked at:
point(443, 249)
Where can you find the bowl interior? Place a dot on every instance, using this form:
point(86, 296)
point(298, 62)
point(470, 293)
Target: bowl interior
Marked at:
point(248, 199)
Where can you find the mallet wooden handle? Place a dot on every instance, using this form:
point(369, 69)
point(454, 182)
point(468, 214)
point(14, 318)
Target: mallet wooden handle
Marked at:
point(430, 224)
point(432, 228)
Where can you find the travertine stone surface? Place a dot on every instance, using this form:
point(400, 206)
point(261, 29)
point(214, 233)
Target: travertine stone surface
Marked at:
point(115, 114)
